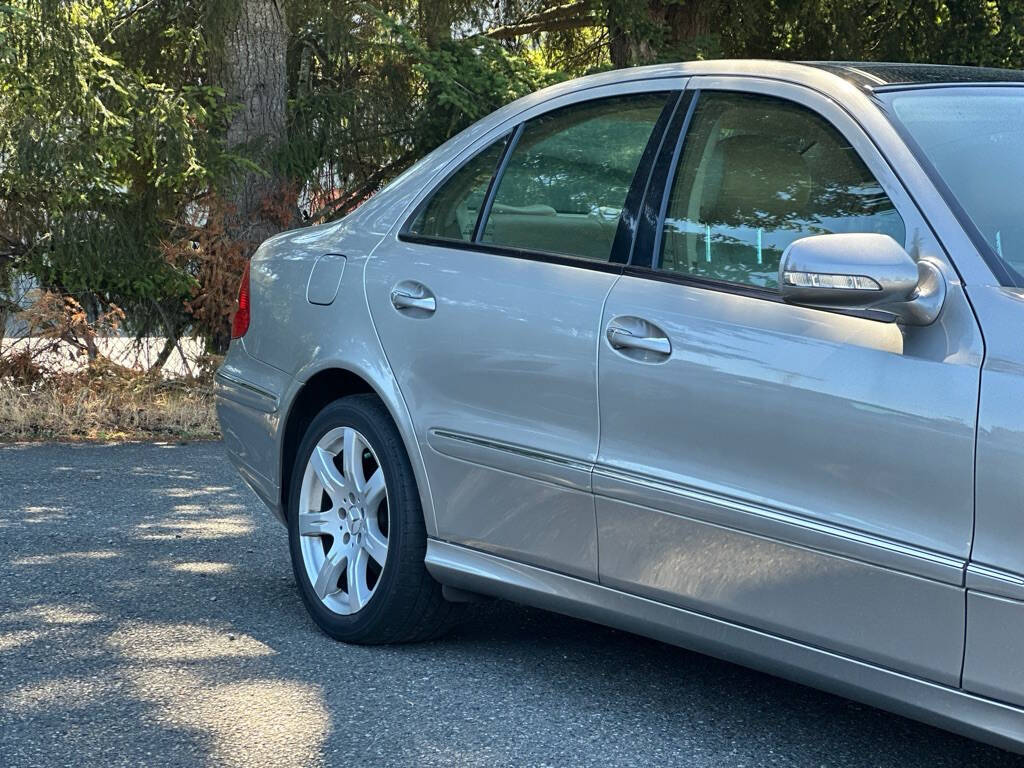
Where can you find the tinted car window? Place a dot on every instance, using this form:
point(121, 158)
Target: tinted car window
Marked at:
point(451, 212)
point(567, 177)
point(756, 174)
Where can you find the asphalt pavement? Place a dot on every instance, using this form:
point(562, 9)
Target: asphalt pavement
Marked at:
point(148, 617)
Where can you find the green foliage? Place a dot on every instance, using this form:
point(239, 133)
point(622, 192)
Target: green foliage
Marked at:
point(462, 81)
point(98, 159)
point(370, 94)
point(111, 134)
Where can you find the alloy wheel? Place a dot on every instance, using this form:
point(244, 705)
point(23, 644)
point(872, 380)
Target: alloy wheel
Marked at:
point(343, 520)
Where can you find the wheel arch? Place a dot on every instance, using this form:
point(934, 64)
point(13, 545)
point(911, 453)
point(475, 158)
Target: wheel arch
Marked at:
point(328, 383)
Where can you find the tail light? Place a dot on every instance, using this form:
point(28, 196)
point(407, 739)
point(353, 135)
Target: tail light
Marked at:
point(240, 323)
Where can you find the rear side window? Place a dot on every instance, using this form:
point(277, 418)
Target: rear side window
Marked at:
point(451, 213)
point(756, 174)
point(567, 177)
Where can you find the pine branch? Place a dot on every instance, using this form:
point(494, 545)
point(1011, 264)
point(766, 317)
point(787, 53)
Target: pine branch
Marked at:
point(560, 18)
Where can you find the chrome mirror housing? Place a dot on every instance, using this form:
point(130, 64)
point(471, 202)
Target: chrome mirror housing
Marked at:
point(861, 271)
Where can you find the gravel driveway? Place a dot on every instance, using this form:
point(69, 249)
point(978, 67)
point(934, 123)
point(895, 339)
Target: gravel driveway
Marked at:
point(148, 617)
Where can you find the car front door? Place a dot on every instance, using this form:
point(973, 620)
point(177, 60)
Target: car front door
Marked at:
point(800, 471)
point(488, 305)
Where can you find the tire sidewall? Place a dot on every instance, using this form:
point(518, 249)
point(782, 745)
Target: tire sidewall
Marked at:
point(387, 446)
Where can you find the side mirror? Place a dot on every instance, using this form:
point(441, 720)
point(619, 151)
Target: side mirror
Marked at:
point(861, 271)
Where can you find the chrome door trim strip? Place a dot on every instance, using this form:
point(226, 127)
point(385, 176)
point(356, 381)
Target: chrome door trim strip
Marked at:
point(953, 709)
point(700, 504)
point(780, 525)
point(995, 581)
point(508, 457)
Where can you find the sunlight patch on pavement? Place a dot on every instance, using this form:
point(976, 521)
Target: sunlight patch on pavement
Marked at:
point(50, 559)
point(54, 613)
point(33, 509)
point(279, 723)
point(150, 641)
point(191, 493)
point(38, 515)
point(61, 693)
point(200, 567)
point(18, 638)
point(210, 528)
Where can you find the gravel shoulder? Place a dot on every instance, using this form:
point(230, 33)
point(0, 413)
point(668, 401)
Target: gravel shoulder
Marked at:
point(148, 617)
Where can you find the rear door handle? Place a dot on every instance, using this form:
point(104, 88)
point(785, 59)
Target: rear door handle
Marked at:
point(623, 338)
point(405, 300)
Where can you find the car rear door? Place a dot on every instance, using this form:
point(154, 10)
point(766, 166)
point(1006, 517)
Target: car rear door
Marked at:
point(488, 305)
point(800, 471)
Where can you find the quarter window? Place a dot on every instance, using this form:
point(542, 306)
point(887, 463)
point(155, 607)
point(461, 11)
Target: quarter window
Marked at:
point(566, 179)
point(451, 212)
point(756, 174)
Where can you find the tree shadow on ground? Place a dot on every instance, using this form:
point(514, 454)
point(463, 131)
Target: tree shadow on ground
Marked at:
point(148, 617)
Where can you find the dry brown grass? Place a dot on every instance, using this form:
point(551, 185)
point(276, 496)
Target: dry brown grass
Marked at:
point(56, 383)
point(107, 402)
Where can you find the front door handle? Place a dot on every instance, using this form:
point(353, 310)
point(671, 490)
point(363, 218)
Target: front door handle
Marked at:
point(404, 300)
point(622, 338)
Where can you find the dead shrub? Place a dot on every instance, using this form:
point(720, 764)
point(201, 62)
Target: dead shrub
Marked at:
point(43, 397)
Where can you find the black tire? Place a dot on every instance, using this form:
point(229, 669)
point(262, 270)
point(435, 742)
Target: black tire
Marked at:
point(406, 604)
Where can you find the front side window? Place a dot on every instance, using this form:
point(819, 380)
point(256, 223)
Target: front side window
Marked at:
point(451, 212)
point(757, 173)
point(566, 179)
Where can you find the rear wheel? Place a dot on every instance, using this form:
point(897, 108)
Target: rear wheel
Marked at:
point(356, 530)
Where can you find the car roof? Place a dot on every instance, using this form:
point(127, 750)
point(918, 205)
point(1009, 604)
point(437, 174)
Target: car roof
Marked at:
point(875, 75)
point(829, 76)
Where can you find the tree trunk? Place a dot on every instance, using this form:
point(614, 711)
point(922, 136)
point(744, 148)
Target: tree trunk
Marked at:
point(647, 31)
point(435, 21)
point(165, 353)
point(687, 26)
point(434, 25)
point(249, 62)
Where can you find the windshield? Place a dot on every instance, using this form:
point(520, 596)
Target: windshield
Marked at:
point(973, 139)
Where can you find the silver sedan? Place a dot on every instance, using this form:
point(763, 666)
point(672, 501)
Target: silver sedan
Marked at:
point(730, 354)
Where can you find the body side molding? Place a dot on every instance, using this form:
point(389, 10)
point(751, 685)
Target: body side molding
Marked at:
point(700, 504)
point(995, 581)
point(950, 708)
point(786, 526)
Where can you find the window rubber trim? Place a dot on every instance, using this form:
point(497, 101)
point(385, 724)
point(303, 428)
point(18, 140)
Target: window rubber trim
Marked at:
point(625, 232)
point(652, 212)
point(484, 213)
point(407, 224)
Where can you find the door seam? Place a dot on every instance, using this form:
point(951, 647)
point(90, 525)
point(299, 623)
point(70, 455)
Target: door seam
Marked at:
point(597, 400)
